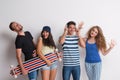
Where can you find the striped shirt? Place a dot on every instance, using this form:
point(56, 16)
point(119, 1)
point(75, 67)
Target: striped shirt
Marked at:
point(71, 56)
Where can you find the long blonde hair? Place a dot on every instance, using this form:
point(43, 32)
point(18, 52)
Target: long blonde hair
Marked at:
point(100, 39)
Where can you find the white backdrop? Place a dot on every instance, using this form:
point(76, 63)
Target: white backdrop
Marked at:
point(33, 14)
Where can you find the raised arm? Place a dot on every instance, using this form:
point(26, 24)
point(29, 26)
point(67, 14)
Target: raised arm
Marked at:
point(81, 40)
point(111, 45)
point(62, 38)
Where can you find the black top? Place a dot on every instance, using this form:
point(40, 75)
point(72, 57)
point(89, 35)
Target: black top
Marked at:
point(25, 42)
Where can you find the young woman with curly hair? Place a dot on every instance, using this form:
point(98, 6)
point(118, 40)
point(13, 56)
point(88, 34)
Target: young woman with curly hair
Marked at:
point(94, 43)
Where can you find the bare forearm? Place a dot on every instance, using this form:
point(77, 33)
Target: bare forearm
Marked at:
point(42, 56)
point(39, 48)
point(107, 51)
point(81, 42)
point(62, 38)
point(20, 62)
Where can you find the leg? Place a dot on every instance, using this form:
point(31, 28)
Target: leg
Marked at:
point(66, 72)
point(76, 73)
point(89, 70)
point(97, 71)
point(33, 75)
point(53, 70)
point(53, 74)
point(45, 74)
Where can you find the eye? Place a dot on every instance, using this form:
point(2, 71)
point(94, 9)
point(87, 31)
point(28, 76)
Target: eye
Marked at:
point(95, 32)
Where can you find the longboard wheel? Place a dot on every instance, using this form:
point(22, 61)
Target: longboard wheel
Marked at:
point(60, 59)
point(15, 76)
point(12, 67)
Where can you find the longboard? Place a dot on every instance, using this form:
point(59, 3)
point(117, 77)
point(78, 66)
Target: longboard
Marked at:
point(33, 64)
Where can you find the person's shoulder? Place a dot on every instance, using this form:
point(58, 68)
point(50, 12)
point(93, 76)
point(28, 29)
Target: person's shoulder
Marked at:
point(40, 38)
point(85, 39)
point(18, 39)
point(27, 32)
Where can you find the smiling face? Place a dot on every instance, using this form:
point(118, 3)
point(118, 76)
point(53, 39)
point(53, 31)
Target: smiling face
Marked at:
point(71, 29)
point(16, 27)
point(94, 32)
point(45, 34)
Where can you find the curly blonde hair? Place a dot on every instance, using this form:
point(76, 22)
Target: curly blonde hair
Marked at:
point(100, 39)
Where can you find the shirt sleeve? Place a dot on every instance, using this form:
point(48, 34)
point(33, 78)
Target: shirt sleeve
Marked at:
point(18, 43)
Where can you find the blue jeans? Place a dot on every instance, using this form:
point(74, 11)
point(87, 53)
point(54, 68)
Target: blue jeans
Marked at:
point(33, 75)
point(93, 70)
point(74, 70)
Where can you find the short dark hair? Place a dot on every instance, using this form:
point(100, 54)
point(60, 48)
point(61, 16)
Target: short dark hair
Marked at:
point(10, 26)
point(71, 23)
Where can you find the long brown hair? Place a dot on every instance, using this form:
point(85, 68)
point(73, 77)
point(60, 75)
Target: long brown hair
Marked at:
point(49, 41)
point(100, 39)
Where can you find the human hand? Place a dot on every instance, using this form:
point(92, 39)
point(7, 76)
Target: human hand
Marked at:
point(80, 26)
point(112, 44)
point(48, 63)
point(24, 72)
point(65, 30)
point(59, 56)
point(34, 53)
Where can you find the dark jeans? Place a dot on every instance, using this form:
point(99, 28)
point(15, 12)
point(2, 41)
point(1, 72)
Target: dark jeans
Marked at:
point(33, 75)
point(68, 70)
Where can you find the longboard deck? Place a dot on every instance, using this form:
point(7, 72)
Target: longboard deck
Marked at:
point(34, 64)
